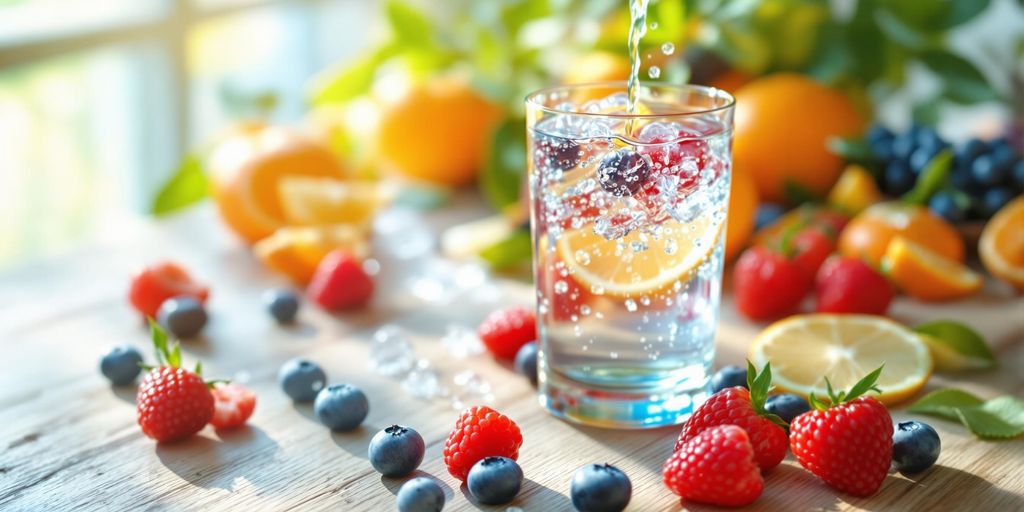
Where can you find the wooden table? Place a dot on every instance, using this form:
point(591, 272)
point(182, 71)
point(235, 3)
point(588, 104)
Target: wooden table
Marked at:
point(70, 441)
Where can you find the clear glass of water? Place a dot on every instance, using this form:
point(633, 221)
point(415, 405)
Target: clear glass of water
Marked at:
point(628, 218)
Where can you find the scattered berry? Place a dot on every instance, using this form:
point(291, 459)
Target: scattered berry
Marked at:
point(786, 406)
point(182, 316)
point(903, 145)
point(301, 379)
point(716, 467)
point(727, 377)
point(232, 405)
point(745, 409)
point(987, 171)
point(526, 361)
point(480, 432)
point(600, 488)
point(920, 158)
point(915, 447)
point(173, 403)
point(994, 199)
point(420, 494)
point(495, 480)
point(880, 141)
point(340, 282)
point(505, 331)
point(396, 450)
point(848, 442)
point(945, 205)
point(282, 304)
point(341, 407)
point(557, 153)
point(156, 283)
point(121, 365)
point(848, 285)
point(767, 284)
point(624, 172)
point(899, 179)
point(1018, 174)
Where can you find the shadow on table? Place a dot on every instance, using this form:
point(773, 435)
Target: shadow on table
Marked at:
point(936, 489)
point(532, 496)
point(217, 463)
point(630, 443)
point(126, 393)
point(394, 484)
point(355, 441)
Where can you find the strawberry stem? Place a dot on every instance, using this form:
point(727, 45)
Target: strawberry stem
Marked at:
point(859, 389)
point(760, 384)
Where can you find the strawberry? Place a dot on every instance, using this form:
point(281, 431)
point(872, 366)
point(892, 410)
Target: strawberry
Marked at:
point(745, 409)
point(340, 282)
point(811, 247)
point(232, 405)
point(505, 331)
point(848, 285)
point(717, 467)
point(768, 284)
point(846, 442)
point(173, 403)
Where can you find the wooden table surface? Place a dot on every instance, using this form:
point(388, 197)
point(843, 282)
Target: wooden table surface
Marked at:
point(70, 441)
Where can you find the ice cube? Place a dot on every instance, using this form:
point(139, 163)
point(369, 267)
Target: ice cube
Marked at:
point(461, 341)
point(424, 382)
point(391, 354)
point(471, 387)
point(402, 234)
point(621, 221)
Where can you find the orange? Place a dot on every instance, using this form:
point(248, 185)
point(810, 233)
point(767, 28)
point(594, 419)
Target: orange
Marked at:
point(314, 201)
point(246, 167)
point(923, 274)
point(1001, 246)
point(742, 213)
point(782, 126)
point(437, 132)
point(295, 252)
point(855, 190)
point(867, 236)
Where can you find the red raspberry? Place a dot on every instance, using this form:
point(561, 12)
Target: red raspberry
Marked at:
point(768, 284)
point(745, 409)
point(480, 432)
point(156, 283)
point(848, 285)
point(233, 404)
point(847, 444)
point(717, 467)
point(505, 331)
point(340, 282)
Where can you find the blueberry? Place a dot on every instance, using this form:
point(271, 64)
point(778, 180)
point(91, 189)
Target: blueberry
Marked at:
point(994, 199)
point(420, 494)
point(945, 205)
point(903, 145)
point(768, 213)
point(495, 480)
point(301, 379)
point(920, 159)
point(600, 488)
point(970, 150)
point(880, 141)
point(282, 304)
point(987, 171)
point(898, 179)
point(787, 406)
point(121, 365)
point(927, 137)
point(557, 152)
point(1018, 173)
point(728, 377)
point(915, 447)
point(526, 361)
point(341, 407)
point(183, 316)
point(396, 451)
point(624, 172)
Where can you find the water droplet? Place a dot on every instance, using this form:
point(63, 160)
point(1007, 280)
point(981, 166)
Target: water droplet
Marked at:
point(671, 246)
point(645, 300)
point(582, 257)
point(630, 305)
point(584, 310)
point(561, 286)
point(654, 72)
point(668, 48)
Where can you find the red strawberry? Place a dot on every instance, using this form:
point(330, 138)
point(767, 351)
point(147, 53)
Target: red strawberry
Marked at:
point(173, 403)
point(745, 409)
point(848, 285)
point(480, 432)
point(505, 331)
point(847, 442)
point(768, 284)
point(811, 247)
point(340, 282)
point(233, 404)
point(717, 467)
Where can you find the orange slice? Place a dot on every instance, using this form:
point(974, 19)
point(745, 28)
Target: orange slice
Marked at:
point(926, 275)
point(315, 201)
point(296, 251)
point(1001, 246)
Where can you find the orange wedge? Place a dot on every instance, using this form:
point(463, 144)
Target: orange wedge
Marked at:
point(316, 201)
point(296, 251)
point(926, 275)
point(1001, 246)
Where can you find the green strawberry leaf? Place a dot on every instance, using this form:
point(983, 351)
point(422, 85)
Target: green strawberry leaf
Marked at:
point(159, 337)
point(999, 418)
point(864, 385)
point(955, 346)
point(760, 384)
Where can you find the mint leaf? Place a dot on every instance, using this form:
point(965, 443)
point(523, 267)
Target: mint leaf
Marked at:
point(932, 178)
point(188, 186)
point(999, 418)
point(510, 252)
point(501, 178)
point(944, 403)
point(955, 346)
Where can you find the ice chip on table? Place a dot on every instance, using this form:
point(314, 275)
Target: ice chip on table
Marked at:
point(402, 234)
point(470, 387)
point(424, 382)
point(391, 354)
point(438, 280)
point(461, 341)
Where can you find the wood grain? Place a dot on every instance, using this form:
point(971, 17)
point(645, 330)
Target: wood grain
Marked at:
point(70, 441)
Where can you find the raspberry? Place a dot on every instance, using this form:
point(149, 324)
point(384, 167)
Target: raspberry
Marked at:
point(233, 405)
point(505, 331)
point(480, 432)
point(717, 467)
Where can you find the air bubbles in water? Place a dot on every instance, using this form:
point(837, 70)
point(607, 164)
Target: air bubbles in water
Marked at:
point(668, 48)
point(654, 72)
point(630, 305)
point(561, 287)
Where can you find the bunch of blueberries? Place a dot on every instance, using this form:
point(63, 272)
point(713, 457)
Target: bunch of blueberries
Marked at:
point(985, 174)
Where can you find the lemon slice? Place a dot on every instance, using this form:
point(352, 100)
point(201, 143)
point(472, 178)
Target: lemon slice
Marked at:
point(639, 263)
point(314, 201)
point(804, 349)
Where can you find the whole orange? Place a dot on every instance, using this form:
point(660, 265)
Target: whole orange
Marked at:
point(742, 212)
point(782, 126)
point(438, 131)
point(246, 166)
point(867, 236)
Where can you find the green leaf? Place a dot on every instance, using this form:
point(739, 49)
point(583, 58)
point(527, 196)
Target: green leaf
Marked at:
point(189, 185)
point(864, 385)
point(932, 178)
point(852, 149)
point(955, 346)
point(174, 359)
point(961, 80)
point(159, 337)
point(408, 25)
point(199, 368)
point(999, 418)
point(512, 252)
point(502, 176)
point(343, 84)
point(944, 402)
